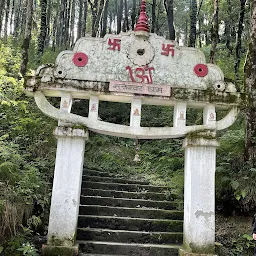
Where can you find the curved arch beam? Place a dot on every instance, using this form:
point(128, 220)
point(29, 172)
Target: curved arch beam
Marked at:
point(129, 131)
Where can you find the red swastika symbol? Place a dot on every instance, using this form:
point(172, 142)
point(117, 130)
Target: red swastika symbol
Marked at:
point(115, 43)
point(167, 49)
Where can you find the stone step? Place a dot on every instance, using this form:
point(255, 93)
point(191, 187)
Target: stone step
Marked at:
point(101, 173)
point(124, 236)
point(86, 254)
point(123, 187)
point(130, 212)
point(126, 194)
point(105, 248)
point(132, 224)
point(113, 180)
point(130, 203)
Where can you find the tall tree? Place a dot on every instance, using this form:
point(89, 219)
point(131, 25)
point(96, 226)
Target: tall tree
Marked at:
point(153, 24)
point(80, 19)
point(27, 38)
point(169, 10)
point(2, 5)
point(43, 27)
point(250, 86)
point(133, 15)
point(126, 26)
point(104, 20)
point(215, 30)
point(120, 16)
point(239, 36)
point(84, 23)
point(6, 22)
point(193, 21)
point(228, 27)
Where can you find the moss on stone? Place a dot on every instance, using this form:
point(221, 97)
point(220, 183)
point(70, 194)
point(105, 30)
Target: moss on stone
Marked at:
point(48, 250)
point(202, 134)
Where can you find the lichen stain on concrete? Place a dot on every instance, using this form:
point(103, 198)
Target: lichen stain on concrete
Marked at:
point(203, 214)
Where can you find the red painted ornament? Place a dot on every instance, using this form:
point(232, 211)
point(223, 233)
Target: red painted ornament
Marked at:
point(142, 24)
point(201, 70)
point(80, 59)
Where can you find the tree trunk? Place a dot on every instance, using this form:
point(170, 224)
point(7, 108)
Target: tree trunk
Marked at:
point(12, 17)
point(250, 86)
point(94, 8)
point(238, 38)
point(169, 10)
point(133, 15)
point(153, 24)
point(80, 18)
point(17, 19)
point(215, 31)
point(104, 20)
point(228, 29)
point(126, 20)
point(2, 5)
point(43, 27)
point(27, 38)
point(84, 27)
point(7, 12)
point(193, 20)
point(98, 16)
point(72, 23)
point(120, 16)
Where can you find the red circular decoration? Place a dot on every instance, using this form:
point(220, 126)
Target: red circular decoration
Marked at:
point(80, 59)
point(201, 70)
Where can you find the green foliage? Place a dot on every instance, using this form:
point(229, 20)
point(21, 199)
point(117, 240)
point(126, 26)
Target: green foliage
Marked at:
point(28, 249)
point(243, 245)
point(26, 153)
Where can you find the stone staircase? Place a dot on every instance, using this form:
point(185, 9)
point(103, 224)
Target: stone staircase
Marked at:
point(119, 216)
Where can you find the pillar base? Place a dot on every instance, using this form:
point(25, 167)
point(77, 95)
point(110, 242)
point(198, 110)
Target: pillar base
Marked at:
point(50, 250)
point(183, 252)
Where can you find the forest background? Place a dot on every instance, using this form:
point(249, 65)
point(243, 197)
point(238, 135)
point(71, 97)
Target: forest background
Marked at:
point(33, 32)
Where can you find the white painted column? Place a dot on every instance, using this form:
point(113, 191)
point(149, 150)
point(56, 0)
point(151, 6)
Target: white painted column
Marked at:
point(179, 114)
point(199, 194)
point(94, 108)
point(135, 117)
point(66, 186)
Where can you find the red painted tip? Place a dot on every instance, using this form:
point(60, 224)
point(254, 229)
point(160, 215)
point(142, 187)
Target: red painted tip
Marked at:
point(142, 24)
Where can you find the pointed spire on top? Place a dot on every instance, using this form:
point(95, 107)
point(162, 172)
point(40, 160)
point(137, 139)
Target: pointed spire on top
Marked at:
point(142, 26)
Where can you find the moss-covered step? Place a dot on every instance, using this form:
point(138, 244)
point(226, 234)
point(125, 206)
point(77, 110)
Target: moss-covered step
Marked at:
point(132, 224)
point(131, 203)
point(106, 248)
point(113, 180)
point(126, 194)
point(125, 236)
point(121, 187)
point(131, 212)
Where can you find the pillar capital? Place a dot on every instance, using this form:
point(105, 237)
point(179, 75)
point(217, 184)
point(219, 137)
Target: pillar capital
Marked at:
point(61, 131)
point(202, 139)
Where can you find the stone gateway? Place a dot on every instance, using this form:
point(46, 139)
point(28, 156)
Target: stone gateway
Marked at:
point(138, 68)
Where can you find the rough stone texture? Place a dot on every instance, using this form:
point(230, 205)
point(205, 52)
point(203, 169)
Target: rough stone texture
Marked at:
point(48, 250)
point(66, 186)
point(105, 64)
point(183, 252)
point(199, 195)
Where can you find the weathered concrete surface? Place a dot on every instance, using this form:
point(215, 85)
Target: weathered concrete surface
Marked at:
point(125, 58)
point(66, 186)
point(199, 194)
point(48, 250)
point(183, 252)
point(131, 131)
